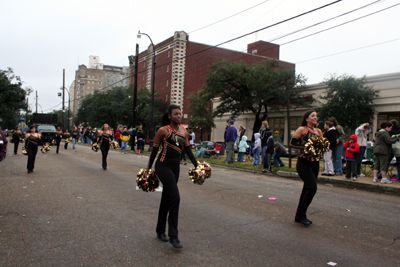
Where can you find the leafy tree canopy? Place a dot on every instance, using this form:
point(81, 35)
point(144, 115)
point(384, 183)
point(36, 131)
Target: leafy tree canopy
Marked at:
point(349, 100)
point(256, 88)
point(201, 114)
point(12, 98)
point(117, 104)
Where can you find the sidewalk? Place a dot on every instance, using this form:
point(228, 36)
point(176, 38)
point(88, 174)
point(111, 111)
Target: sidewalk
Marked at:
point(362, 183)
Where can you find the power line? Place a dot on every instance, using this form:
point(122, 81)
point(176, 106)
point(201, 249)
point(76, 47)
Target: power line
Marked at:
point(228, 17)
point(348, 51)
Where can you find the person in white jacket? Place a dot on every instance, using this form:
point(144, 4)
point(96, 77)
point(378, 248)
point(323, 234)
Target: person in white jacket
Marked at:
point(256, 149)
point(362, 133)
point(242, 148)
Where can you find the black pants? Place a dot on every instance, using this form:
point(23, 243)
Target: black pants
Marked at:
point(267, 161)
point(32, 151)
point(66, 145)
point(16, 143)
point(351, 169)
point(58, 141)
point(169, 206)
point(308, 172)
point(104, 152)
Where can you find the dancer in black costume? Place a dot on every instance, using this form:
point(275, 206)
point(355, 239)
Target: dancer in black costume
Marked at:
point(16, 138)
point(104, 137)
point(32, 140)
point(307, 168)
point(66, 136)
point(172, 138)
point(59, 135)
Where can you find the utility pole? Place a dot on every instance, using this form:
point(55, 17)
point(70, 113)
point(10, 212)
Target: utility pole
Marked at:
point(135, 86)
point(27, 108)
point(63, 102)
point(288, 125)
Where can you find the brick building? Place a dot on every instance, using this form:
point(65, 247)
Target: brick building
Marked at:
point(182, 66)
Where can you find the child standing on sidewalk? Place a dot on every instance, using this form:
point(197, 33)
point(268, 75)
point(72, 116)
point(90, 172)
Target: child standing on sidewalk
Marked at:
point(256, 149)
point(352, 151)
point(242, 148)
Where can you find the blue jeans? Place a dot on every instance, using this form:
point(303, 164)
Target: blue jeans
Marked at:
point(263, 148)
point(277, 160)
point(256, 157)
point(124, 145)
point(240, 156)
point(82, 139)
point(73, 143)
point(360, 158)
point(88, 141)
point(337, 159)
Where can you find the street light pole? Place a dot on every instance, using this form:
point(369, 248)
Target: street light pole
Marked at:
point(152, 92)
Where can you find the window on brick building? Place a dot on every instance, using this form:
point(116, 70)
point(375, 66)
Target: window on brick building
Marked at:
point(167, 83)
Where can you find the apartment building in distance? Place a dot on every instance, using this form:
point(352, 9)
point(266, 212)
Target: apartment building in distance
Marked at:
point(96, 76)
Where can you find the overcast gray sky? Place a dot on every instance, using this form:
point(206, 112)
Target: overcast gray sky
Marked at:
point(41, 38)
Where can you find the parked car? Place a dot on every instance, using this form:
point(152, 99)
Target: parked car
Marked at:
point(294, 151)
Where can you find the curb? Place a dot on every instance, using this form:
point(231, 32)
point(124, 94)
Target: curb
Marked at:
point(373, 187)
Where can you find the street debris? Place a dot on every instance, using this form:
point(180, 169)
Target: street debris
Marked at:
point(260, 196)
point(348, 210)
point(272, 198)
point(332, 263)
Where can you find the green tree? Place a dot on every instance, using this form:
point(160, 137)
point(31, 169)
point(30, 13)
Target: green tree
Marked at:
point(201, 114)
point(105, 107)
point(348, 99)
point(256, 88)
point(12, 98)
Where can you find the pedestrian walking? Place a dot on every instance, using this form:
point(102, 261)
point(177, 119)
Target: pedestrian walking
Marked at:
point(330, 134)
point(66, 136)
point(140, 140)
point(124, 140)
point(231, 135)
point(362, 133)
point(172, 139)
point(32, 140)
point(16, 138)
point(352, 153)
point(307, 167)
point(75, 137)
point(58, 136)
point(382, 151)
point(104, 137)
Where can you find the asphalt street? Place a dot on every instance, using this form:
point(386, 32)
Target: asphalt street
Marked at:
point(70, 212)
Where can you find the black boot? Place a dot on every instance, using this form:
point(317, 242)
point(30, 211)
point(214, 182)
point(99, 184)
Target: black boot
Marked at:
point(175, 242)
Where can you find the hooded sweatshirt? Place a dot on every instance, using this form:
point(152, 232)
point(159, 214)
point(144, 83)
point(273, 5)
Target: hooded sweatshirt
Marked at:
point(117, 134)
point(354, 149)
point(257, 143)
point(243, 144)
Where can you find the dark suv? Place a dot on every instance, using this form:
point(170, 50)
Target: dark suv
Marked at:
point(47, 132)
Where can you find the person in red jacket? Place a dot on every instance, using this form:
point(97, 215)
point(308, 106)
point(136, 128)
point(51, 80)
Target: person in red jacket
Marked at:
point(118, 137)
point(352, 153)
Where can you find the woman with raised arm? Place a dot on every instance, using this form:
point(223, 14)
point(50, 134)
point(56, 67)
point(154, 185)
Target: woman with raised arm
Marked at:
point(307, 167)
point(32, 140)
point(171, 139)
point(16, 138)
point(104, 137)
